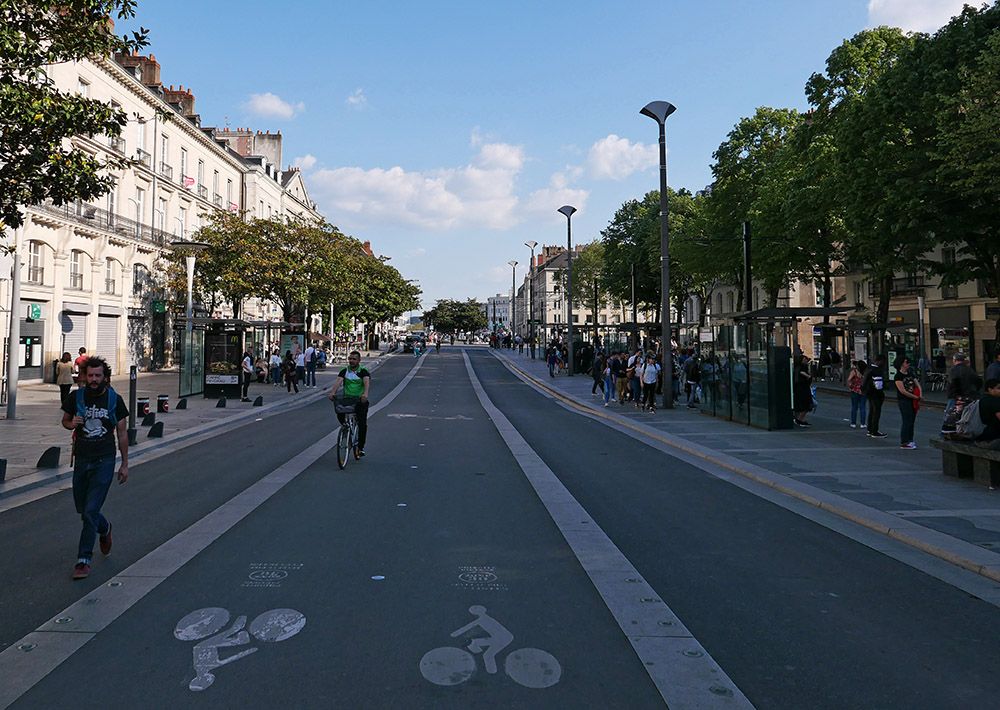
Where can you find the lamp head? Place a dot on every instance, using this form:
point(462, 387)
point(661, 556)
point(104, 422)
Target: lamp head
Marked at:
point(658, 110)
point(512, 263)
point(531, 245)
point(190, 247)
point(567, 210)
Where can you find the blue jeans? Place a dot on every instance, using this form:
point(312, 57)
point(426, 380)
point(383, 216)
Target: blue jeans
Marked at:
point(909, 418)
point(310, 375)
point(636, 390)
point(859, 404)
point(609, 387)
point(91, 480)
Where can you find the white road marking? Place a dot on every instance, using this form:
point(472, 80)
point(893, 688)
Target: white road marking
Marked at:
point(53, 643)
point(680, 667)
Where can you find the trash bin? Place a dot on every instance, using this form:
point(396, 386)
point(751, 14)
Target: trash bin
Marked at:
point(142, 406)
point(163, 403)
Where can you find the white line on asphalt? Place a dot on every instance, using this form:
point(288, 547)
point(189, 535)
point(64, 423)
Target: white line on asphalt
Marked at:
point(26, 662)
point(680, 667)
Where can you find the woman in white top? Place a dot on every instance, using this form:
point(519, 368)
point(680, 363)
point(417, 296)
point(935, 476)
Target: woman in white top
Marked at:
point(648, 373)
point(275, 366)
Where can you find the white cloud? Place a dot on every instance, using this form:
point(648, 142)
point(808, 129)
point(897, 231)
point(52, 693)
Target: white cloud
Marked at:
point(616, 158)
point(414, 253)
point(914, 15)
point(479, 194)
point(547, 201)
point(273, 106)
point(305, 162)
point(357, 99)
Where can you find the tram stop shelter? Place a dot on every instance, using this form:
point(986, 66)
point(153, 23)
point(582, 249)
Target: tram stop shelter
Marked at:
point(746, 365)
point(212, 357)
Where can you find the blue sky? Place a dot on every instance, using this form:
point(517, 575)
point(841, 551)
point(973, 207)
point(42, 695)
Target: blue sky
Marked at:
point(449, 133)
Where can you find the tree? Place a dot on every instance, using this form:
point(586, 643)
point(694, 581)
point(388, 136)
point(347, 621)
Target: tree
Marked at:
point(628, 240)
point(37, 162)
point(451, 316)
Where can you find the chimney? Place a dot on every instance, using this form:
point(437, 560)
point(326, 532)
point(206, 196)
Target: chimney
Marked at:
point(180, 97)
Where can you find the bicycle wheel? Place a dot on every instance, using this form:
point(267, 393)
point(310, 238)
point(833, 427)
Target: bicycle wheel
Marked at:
point(447, 665)
point(533, 668)
point(354, 439)
point(343, 445)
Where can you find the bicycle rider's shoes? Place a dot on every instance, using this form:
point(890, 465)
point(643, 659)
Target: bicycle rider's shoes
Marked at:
point(81, 570)
point(359, 452)
point(105, 541)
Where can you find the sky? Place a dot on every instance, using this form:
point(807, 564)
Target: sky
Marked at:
point(450, 133)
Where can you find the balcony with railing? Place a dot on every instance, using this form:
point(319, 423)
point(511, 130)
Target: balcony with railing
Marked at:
point(76, 280)
point(143, 157)
point(166, 171)
point(202, 192)
point(905, 286)
point(36, 274)
point(217, 199)
point(117, 144)
point(109, 286)
point(97, 218)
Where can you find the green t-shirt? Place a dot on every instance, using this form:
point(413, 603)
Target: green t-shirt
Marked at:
point(354, 380)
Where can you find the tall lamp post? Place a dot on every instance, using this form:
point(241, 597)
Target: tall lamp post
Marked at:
point(658, 111)
point(531, 297)
point(513, 301)
point(568, 211)
point(14, 341)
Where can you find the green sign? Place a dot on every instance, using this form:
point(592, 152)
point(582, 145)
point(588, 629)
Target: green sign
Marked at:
point(159, 306)
point(34, 311)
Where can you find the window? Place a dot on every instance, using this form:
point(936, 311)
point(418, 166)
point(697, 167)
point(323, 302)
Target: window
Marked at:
point(859, 292)
point(164, 149)
point(229, 193)
point(184, 164)
point(140, 279)
point(820, 290)
point(109, 276)
point(75, 274)
point(215, 182)
point(269, 212)
point(161, 213)
point(140, 135)
point(576, 318)
point(140, 209)
point(83, 87)
point(182, 220)
point(731, 302)
point(948, 258)
point(201, 173)
point(718, 301)
point(36, 270)
point(616, 320)
point(260, 212)
point(112, 204)
point(604, 319)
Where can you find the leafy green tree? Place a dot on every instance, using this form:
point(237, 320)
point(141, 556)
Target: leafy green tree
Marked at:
point(452, 316)
point(629, 239)
point(36, 160)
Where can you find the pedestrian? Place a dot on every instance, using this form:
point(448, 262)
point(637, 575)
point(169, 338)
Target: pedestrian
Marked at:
point(246, 370)
point(858, 401)
point(597, 372)
point(64, 375)
point(908, 399)
point(275, 368)
point(81, 376)
point(260, 369)
point(290, 371)
point(311, 358)
point(873, 388)
point(963, 389)
point(300, 366)
point(552, 361)
point(609, 378)
point(635, 383)
point(692, 377)
point(993, 371)
point(620, 371)
point(96, 415)
point(649, 373)
point(802, 400)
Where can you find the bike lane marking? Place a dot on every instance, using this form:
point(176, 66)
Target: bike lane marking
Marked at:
point(682, 670)
point(26, 662)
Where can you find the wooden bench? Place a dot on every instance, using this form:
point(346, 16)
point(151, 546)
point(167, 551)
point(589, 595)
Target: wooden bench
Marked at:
point(967, 460)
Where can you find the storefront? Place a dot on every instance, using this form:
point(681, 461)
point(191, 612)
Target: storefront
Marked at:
point(950, 333)
point(31, 353)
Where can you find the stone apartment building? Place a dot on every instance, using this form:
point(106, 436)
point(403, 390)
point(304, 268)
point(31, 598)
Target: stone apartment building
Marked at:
point(89, 276)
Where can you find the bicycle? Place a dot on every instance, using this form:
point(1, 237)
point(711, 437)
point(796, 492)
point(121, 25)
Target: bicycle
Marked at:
point(347, 439)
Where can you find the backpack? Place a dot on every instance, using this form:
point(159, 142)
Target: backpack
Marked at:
point(970, 424)
point(81, 405)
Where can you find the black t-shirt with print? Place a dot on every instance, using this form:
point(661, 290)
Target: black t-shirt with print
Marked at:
point(96, 437)
point(989, 406)
point(908, 380)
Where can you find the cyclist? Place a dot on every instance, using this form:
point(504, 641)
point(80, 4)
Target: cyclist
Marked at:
point(356, 380)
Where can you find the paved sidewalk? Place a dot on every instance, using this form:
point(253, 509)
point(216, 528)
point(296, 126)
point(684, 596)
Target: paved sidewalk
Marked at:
point(38, 426)
point(898, 492)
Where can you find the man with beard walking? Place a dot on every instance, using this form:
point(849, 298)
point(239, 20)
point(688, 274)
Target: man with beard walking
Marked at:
point(96, 414)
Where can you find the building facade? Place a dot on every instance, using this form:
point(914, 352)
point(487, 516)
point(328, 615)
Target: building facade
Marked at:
point(92, 272)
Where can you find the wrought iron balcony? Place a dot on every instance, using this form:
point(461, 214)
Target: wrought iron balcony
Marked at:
point(217, 199)
point(76, 280)
point(97, 218)
point(166, 171)
point(905, 286)
point(117, 144)
point(202, 192)
point(143, 157)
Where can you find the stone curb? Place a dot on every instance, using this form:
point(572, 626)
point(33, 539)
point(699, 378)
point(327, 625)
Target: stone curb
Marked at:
point(31, 481)
point(958, 552)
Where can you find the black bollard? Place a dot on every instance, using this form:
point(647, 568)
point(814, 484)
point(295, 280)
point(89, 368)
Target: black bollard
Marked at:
point(3, 469)
point(49, 459)
point(259, 402)
point(149, 419)
point(156, 431)
point(181, 404)
point(221, 404)
point(133, 433)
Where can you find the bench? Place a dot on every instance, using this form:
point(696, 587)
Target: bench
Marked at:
point(967, 460)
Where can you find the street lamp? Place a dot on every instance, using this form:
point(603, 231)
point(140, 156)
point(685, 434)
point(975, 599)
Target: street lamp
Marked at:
point(531, 297)
point(568, 211)
point(513, 300)
point(192, 248)
point(658, 111)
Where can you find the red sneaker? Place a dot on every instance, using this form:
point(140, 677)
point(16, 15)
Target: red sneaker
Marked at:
point(81, 570)
point(105, 541)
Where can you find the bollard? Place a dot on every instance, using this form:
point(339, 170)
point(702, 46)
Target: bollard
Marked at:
point(49, 459)
point(133, 433)
point(156, 431)
point(149, 419)
point(3, 470)
point(163, 404)
point(259, 402)
point(221, 404)
point(182, 403)
point(142, 406)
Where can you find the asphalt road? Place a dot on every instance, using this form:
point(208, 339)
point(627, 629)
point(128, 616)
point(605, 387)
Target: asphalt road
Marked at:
point(376, 572)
